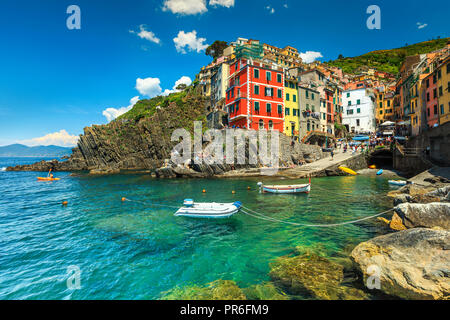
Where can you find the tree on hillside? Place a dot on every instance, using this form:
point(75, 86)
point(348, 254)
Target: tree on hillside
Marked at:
point(340, 56)
point(216, 49)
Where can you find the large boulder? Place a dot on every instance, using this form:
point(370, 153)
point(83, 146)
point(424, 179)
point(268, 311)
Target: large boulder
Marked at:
point(412, 264)
point(216, 290)
point(428, 215)
point(313, 275)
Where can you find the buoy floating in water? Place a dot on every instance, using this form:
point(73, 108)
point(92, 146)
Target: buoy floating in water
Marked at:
point(65, 203)
point(204, 191)
point(124, 199)
point(233, 192)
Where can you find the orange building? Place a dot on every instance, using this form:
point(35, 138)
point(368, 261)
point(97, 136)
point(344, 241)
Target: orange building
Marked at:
point(255, 96)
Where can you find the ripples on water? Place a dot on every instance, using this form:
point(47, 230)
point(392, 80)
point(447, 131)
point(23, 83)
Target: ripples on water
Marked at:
point(130, 251)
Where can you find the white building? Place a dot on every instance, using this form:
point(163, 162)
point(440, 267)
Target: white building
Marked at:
point(359, 110)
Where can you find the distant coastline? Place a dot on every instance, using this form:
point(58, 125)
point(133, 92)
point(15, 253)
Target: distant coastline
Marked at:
point(22, 151)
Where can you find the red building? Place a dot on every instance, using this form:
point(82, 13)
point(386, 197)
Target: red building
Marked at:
point(431, 100)
point(255, 96)
point(330, 106)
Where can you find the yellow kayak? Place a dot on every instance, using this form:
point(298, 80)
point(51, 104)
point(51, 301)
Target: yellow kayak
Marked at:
point(48, 179)
point(373, 166)
point(347, 170)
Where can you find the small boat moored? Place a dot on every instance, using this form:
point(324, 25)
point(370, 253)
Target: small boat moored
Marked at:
point(398, 182)
point(212, 210)
point(380, 172)
point(294, 188)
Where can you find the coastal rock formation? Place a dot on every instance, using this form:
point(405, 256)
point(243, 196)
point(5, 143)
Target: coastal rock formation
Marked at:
point(265, 291)
point(217, 290)
point(414, 194)
point(413, 264)
point(140, 140)
point(312, 275)
point(428, 215)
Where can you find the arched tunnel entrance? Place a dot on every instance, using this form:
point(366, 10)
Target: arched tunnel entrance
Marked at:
point(382, 158)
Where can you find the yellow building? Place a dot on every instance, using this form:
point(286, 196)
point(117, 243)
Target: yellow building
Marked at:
point(384, 106)
point(443, 87)
point(416, 108)
point(291, 106)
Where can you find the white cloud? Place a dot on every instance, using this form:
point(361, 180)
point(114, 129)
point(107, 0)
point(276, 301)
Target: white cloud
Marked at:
point(150, 87)
point(145, 34)
point(61, 138)
point(189, 41)
point(271, 10)
point(421, 25)
point(185, 7)
point(183, 80)
point(113, 113)
point(223, 3)
point(285, 5)
point(310, 56)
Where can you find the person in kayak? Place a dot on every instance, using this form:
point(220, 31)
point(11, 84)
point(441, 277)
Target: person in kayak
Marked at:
point(50, 174)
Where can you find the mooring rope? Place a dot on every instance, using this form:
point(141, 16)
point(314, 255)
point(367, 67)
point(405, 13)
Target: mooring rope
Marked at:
point(261, 216)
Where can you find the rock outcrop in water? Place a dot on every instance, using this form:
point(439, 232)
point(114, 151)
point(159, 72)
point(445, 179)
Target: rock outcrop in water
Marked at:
point(430, 215)
point(413, 264)
point(313, 276)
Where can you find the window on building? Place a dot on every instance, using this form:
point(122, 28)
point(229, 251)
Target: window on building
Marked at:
point(294, 112)
point(358, 110)
point(389, 103)
point(294, 98)
point(280, 93)
point(268, 108)
point(268, 75)
point(442, 109)
point(256, 106)
point(269, 92)
point(381, 111)
point(261, 124)
point(312, 96)
point(307, 94)
point(270, 125)
point(381, 105)
point(440, 91)
point(448, 67)
point(256, 73)
point(287, 111)
point(428, 96)
point(348, 94)
point(350, 111)
point(439, 74)
point(280, 109)
point(357, 122)
point(279, 78)
point(287, 96)
point(434, 93)
point(435, 109)
point(323, 116)
point(349, 103)
point(358, 101)
point(427, 83)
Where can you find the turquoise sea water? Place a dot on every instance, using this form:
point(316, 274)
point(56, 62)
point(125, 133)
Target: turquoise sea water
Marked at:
point(135, 251)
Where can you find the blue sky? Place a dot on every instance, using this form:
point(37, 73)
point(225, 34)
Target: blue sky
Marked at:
point(54, 79)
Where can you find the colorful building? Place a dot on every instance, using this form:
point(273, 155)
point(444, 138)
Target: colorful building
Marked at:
point(432, 113)
point(255, 96)
point(291, 105)
point(443, 87)
point(329, 96)
point(359, 111)
point(309, 103)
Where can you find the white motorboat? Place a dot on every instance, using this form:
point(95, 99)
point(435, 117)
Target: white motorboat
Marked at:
point(212, 210)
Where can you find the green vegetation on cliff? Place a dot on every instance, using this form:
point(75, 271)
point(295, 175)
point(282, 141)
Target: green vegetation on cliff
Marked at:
point(387, 60)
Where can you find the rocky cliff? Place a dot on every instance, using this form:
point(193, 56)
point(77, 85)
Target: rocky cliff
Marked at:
point(138, 140)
